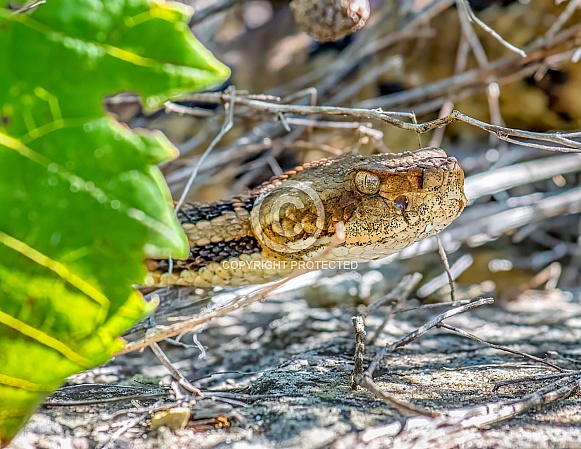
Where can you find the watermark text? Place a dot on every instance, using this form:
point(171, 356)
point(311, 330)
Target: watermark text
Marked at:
point(280, 265)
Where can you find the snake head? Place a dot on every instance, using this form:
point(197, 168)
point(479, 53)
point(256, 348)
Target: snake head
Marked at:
point(402, 200)
point(386, 201)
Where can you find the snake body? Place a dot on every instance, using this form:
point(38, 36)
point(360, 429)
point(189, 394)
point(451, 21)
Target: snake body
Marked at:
point(386, 202)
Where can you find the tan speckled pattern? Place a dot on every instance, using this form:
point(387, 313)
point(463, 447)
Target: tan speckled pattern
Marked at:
point(293, 216)
point(229, 225)
point(246, 269)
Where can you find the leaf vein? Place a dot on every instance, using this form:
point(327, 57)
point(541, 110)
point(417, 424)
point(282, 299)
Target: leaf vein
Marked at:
point(24, 384)
point(58, 268)
point(44, 339)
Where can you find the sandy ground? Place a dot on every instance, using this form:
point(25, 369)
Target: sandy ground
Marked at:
point(287, 368)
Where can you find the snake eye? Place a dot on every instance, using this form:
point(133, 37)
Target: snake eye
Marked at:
point(401, 202)
point(367, 183)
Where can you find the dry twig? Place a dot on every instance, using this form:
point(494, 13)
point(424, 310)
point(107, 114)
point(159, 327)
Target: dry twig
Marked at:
point(365, 379)
point(499, 347)
point(503, 133)
point(400, 294)
point(175, 373)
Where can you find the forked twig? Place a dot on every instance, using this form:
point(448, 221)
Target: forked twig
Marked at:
point(427, 426)
point(175, 373)
point(474, 18)
point(365, 378)
point(423, 329)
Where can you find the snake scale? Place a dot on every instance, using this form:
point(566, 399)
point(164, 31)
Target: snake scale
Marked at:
point(386, 202)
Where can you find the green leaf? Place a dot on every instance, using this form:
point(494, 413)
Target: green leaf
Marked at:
point(82, 201)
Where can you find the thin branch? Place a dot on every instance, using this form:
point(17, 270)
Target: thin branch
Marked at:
point(499, 347)
point(563, 18)
point(490, 31)
point(400, 293)
point(175, 373)
point(452, 273)
point(227, 126)
point(444, 258)
point(503, 133)
point(359, 355)
point(489, 413)
point(492, 88)
point(423, 329)
point(450, 426)
point(471, 38)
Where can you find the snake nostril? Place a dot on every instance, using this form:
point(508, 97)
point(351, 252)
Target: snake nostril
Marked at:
point(401, 202)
